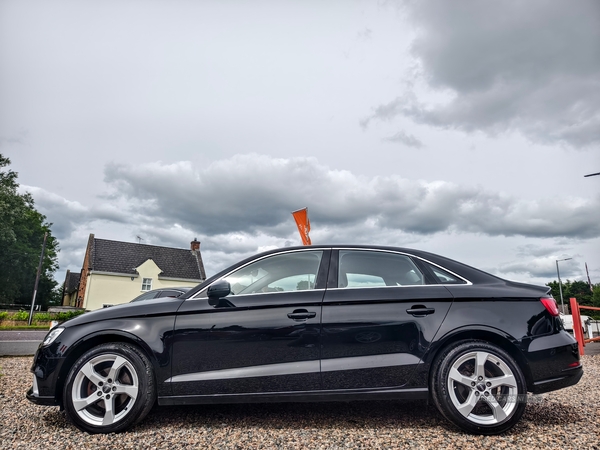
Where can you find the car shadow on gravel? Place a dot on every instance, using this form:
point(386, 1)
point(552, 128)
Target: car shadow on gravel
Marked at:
point(342, 415)
point(338, 415)
point(300, 415)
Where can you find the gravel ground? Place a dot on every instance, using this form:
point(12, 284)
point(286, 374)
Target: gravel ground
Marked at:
point(569, 418)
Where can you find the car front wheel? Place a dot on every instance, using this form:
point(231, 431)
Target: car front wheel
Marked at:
point(109, 388)
point(479, 387)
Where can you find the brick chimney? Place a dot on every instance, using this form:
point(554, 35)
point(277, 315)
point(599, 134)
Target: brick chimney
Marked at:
point(195, 247)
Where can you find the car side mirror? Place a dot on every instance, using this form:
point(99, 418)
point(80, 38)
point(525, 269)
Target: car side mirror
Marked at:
point(218, 290)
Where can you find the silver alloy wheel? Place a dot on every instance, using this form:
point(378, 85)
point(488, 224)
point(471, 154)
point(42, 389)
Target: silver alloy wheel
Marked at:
point(483, 388)
point(105, 389)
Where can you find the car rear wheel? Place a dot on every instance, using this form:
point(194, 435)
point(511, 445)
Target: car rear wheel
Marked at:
point(109, 388)
point(479, 387)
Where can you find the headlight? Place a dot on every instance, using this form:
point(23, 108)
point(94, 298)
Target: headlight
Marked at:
point(51, 337)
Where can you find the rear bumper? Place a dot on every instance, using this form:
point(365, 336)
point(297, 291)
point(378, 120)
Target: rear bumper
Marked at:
point(552, 384)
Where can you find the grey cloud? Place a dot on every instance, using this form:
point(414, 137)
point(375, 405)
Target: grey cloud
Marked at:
point(242, 205)
point(544, 267)
point(71, 255)
point(403, 138)
point(537, 250)
point(388, 110)
point(110, 213)
point(532, 67)
point(66, 215)
point(19, 138)
point(4, 141)
point(62, 213)
point(365, 34)
point(255, 193)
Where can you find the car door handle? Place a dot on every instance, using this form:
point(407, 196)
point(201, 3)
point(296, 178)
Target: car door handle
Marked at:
point(420, 311)
point(301, 314)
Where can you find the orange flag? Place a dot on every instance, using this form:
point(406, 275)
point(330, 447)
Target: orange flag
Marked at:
point(303, 224)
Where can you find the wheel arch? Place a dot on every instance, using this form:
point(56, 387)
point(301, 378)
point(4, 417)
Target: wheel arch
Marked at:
point(491, 335)
point(93, 340)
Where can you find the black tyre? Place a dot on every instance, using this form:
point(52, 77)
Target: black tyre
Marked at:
point(478, 387)
point(109, 388)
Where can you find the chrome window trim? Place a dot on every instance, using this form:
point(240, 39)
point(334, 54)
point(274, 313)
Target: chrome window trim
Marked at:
point(322, 250)
point(267, 293)
point(466, 282)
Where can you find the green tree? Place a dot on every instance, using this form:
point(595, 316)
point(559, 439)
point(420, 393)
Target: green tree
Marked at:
point(596, 296)
point(595, 302)
point(581, 291)
point(22, 231)
point(578, 289)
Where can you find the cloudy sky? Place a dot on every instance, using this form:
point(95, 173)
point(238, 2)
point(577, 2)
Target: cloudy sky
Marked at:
point(464, 128)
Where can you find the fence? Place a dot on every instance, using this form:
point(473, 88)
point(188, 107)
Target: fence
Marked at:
point(18, 307)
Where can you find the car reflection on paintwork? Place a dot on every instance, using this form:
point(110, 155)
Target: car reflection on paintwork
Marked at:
point(370, 333)
point(172, 292)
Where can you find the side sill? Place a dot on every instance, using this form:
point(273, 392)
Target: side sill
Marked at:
point(301, 396)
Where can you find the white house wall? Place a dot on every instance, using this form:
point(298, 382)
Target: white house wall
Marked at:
point(113, 289)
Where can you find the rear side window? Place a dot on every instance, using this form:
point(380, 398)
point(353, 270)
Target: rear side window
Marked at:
point(442, 276)
point(365, 268)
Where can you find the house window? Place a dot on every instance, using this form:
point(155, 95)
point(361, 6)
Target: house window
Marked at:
point(146, 284)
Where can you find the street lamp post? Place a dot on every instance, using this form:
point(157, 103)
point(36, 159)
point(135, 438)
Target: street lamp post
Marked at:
point(562, 303)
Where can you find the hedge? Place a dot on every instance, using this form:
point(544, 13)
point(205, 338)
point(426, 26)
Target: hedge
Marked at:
point(23, 316)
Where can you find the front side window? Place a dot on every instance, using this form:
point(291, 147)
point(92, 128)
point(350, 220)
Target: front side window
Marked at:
point(280, 273)
point(363, 268)
point(146, 284)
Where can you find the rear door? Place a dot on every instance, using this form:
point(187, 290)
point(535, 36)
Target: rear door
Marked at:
point(379, 317)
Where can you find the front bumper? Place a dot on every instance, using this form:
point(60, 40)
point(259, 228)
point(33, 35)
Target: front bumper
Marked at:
point(39, 400)
point(45, 371)
point(33, 395)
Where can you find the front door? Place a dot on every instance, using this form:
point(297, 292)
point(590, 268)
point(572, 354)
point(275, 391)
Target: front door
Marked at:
point(263, 337)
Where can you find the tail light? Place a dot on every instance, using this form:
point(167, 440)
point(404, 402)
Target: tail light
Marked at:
point(550, 305)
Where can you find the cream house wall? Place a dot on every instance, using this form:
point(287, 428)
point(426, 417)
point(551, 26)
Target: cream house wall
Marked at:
point(70, 299)
point(105, 288)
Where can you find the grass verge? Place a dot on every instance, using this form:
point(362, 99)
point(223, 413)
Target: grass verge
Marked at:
point(23, 327)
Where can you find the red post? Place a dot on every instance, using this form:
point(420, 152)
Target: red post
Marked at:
point(577, 324)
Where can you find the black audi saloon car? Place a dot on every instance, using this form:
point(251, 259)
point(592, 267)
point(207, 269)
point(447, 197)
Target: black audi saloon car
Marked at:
point(311, 324)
